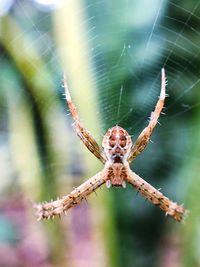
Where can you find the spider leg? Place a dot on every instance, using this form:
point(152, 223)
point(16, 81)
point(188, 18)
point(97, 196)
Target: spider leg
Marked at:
point(156, 197)
point(49, 210)
point(81, 131)
point(144, 137)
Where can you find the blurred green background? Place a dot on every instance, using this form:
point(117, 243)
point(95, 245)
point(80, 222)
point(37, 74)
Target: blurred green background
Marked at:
point(112, 53)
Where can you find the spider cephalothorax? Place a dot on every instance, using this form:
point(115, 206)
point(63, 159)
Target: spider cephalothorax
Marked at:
point(116, 153)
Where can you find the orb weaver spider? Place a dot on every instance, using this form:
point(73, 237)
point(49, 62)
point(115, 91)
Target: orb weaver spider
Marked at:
point(116, 154)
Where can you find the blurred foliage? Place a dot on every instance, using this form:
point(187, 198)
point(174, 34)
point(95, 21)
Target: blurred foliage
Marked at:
point(112, 53)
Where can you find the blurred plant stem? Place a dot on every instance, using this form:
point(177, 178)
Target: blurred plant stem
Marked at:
point(191, 177)
point(72, 37)
point(36, 104)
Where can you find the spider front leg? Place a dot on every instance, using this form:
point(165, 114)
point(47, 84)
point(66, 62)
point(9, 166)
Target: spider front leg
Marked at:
point(49, 210)
point(145, 135)
point(156, 197)
point(81, 131)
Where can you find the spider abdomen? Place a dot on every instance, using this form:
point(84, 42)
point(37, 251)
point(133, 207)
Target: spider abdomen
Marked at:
point(117, 144)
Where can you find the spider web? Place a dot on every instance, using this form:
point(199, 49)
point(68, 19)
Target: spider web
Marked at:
point(146, 43)
point(163, 34)
point(129, 42)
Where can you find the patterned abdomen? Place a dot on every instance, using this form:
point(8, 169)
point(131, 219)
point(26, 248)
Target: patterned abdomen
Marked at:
point(117, 144)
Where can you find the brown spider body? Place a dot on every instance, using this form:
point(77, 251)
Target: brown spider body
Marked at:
point(117, 175)
point(118, 151)
point(117, 144)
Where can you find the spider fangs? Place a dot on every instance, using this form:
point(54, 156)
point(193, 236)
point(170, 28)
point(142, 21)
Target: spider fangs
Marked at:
point(116, 153)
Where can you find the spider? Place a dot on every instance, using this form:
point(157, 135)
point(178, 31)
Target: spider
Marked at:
point(116, 154)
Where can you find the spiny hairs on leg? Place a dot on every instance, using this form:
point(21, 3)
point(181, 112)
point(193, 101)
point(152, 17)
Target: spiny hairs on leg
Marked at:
point(178, 212)
point(80, 130)
point(144, 137)
point(49, 210)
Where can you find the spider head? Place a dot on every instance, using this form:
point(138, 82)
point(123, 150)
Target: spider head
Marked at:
point(117, 145)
